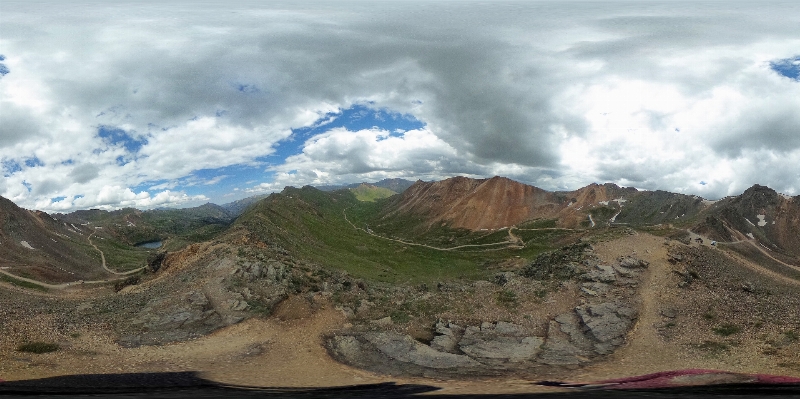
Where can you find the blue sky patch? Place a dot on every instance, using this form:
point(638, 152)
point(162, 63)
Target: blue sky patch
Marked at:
point(357, 117)
point(57, 199)
point(219, 184)
point(3, 68)
point(33, 162)
point(789, 67)
point(10, 167)
point(226, 184)
point(116, 136)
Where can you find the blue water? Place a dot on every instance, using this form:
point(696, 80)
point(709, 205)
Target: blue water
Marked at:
point(150, 245)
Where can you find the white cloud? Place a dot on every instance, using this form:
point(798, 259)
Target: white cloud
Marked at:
point(553, 94)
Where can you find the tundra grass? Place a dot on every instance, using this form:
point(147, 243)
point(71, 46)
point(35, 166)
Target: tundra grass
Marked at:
point(22, 283)
point(121, 256)
point(312, 224)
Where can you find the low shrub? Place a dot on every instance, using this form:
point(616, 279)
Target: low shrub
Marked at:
point(38, 347)
point(727, 329)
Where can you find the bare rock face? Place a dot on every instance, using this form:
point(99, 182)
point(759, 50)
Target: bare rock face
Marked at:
point(607, 323)
point(162, 320)
point(499, 344)
point(456, 350)
point(589, 331)
point(632, 262)
point(397, 354)
point(560, 349)
point(405, 349)
point(449, 335)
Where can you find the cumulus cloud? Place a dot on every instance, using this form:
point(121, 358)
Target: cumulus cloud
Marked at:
point(84, 173)
point(556, 94)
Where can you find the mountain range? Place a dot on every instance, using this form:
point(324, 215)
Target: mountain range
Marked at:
point(447, 279)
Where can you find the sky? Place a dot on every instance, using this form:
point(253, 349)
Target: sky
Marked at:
point(143, 104)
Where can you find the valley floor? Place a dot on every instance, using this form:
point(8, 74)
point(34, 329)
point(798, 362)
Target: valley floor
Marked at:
point(673, 331)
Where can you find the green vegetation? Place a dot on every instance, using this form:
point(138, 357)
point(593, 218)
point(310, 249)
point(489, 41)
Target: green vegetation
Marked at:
point(399, 317)
point(727, 329)
point(38, 347)
point(710, 315)
point(791, 336)
point(131, 226)
point(713, 347)
point(538, 224)
point(333, 229)
point(507, 299)
point(119, 255)
point(22, 283)
point(367, 193)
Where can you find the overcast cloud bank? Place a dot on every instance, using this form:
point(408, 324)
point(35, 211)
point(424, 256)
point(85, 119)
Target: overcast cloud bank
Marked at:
point(152, 105)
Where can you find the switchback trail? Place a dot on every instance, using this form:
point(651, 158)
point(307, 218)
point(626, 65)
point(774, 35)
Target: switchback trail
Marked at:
point(751, 264)
point(62, 285)
point(79, 283)
point(103, 259)
point(428, 246)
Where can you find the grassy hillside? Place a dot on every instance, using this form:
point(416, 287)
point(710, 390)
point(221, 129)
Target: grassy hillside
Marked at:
point(369, 193)
point(331, 228)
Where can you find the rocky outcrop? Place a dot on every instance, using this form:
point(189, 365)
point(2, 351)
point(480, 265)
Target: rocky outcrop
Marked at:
point(233, 289)
point(396, 354)
point(562, 264)
point(587, 332)
point(498, 345)
point(456, 350)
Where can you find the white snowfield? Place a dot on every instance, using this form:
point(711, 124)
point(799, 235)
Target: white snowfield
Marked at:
point(26, 245)
point(762, 220)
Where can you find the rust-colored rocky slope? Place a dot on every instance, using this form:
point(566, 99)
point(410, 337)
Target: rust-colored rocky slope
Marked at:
point(476, 204)
point(760, 213)
point(34, 244)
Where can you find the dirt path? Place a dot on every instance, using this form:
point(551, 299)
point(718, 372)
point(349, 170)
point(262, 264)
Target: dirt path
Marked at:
point(103, 259)
point(646, 350)
point(78, 283)
point(424, 245)
point(750, 264)
point(761, 249)
point(256, 352)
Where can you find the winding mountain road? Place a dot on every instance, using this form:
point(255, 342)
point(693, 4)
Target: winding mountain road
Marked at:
point(513, 240)
point(78, 283)
point(103, 259)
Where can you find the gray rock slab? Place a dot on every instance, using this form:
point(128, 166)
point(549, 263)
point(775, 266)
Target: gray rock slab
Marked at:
point(513, 349)
point(606, 321)
point(558, 350)
point(405, 349)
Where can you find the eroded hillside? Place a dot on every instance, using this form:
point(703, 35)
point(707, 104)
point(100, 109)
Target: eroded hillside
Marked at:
point(310, 272)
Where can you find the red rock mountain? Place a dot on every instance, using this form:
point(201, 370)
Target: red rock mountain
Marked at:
point(475, 204)
point(34, 244)
point(760, 213)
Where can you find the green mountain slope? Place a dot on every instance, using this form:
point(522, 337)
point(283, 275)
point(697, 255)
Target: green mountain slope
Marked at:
point(370, 193)
point(333, 229)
